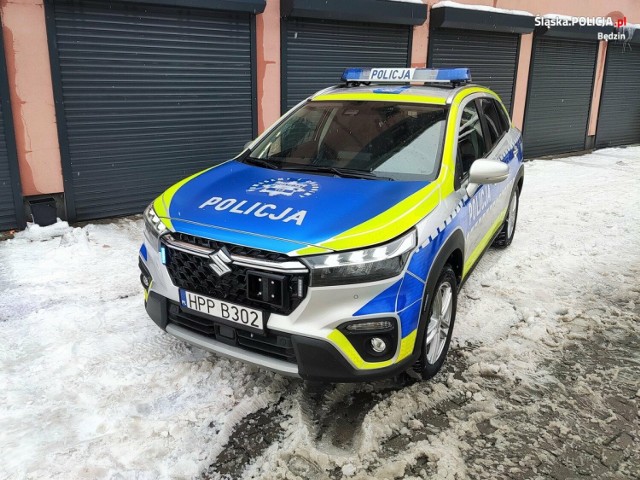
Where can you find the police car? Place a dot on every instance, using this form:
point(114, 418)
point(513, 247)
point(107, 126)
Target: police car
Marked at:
point(334, 246)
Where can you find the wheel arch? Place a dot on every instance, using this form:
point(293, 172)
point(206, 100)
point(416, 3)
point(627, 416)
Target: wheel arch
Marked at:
point(520, 179)
point(452, 251)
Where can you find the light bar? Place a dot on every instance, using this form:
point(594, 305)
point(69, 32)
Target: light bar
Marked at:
point(404, 75)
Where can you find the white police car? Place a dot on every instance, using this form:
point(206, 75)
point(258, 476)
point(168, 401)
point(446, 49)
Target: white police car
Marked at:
point(334, 246)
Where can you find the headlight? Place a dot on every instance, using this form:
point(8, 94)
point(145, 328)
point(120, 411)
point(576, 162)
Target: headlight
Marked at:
point(358, 266)
point(152, 222)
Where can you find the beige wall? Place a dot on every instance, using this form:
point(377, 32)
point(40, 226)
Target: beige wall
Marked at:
point(29, 73)
point(597, 88)
point(268, 68)
point(522, 79)
point(420, 43)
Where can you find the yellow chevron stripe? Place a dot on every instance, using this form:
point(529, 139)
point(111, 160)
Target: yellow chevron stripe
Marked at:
point(162, 204)
point(146, 291)
point(338, 339)
point(390, 223)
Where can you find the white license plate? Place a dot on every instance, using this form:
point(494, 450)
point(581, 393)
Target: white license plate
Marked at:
point(243, 317)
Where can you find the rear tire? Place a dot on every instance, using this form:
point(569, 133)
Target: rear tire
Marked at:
point(508, 229)
point(440, 316)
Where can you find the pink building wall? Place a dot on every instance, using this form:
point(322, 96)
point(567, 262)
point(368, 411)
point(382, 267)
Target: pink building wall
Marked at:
point(268, 68)
point(522, 79)
point(34, 117)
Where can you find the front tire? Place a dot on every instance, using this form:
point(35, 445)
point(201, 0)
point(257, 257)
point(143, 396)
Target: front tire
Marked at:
point(440, 316)
point(508, 230)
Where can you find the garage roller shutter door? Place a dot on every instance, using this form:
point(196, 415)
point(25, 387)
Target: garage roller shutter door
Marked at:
point(8, 216)
point(316, 53)
point(560, 89)
point(491, 56)
point(150, 94)
point(11, 209)
point(619, 117)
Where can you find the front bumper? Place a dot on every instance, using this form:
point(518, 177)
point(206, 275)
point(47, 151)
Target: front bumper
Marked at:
point(316, 360)
point(307, 342)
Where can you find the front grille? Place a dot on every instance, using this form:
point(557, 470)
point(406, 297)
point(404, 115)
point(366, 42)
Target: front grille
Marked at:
point(194, 273)
point(270, 344)
point(232, 249)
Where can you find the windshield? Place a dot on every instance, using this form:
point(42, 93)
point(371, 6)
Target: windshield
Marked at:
point(359, 138)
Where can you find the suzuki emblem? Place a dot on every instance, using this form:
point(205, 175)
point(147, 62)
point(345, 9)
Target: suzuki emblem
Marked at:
point(220, 262)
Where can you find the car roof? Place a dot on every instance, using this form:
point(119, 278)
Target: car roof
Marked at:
point(428, 94)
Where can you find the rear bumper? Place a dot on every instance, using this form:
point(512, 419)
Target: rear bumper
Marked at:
point(316, 360)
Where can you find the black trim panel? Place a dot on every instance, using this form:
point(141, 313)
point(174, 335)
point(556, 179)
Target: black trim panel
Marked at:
point(469, 19)
point(379, 11)
point(320, 361)
point(156, 306)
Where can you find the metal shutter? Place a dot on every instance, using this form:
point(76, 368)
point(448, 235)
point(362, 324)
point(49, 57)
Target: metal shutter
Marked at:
point(11, 209)
point(8, 216)
point(316, 52)
point(491, 56)
point(150, 95)
point(559, 99)
point(619, 117)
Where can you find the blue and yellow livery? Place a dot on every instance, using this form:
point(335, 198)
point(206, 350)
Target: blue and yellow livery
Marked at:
point(334, 246)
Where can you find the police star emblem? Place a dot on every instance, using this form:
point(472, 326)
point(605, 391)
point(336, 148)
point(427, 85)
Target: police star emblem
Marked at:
point(286, 186)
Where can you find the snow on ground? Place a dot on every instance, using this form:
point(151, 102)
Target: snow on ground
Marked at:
point(93, 389)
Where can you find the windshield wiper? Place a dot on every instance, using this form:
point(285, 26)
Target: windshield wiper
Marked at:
point(262, 163)
point(341, 172)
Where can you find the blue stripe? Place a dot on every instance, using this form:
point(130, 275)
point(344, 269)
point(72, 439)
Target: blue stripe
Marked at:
point(143, 252)
point(409, 319)
point(399, 89)
point(385, 302)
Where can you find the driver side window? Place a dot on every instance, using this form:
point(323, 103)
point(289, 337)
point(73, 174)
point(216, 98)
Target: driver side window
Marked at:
point(471, 142)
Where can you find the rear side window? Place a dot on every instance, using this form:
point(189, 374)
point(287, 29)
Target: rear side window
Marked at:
point(471, 143)
point(495, 124)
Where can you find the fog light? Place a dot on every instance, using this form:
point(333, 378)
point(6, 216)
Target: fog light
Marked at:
point(374, 325)
point(378, 345)
point(145, 281)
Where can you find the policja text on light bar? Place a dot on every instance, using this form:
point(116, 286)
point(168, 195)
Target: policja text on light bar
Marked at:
point(404, 75)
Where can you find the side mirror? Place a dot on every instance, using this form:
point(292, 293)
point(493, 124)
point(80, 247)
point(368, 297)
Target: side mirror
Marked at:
point(246, 145)
point(484, 171)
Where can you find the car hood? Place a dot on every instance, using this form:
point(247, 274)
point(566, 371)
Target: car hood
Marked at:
point(276, 210)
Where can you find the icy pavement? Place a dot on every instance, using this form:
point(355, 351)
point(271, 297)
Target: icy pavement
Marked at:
point(542, 381)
